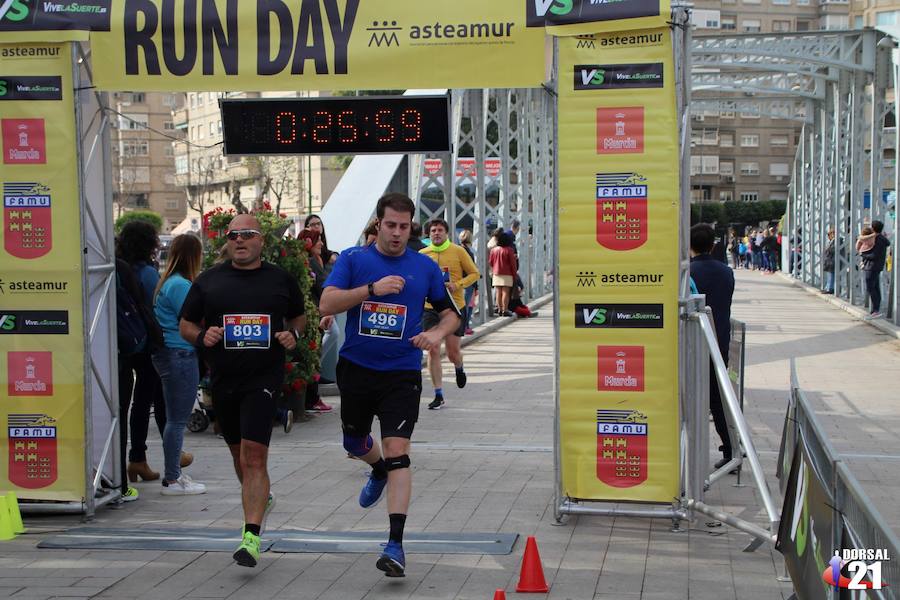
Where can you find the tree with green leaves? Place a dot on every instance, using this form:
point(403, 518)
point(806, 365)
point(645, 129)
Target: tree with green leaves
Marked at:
point(151, 217)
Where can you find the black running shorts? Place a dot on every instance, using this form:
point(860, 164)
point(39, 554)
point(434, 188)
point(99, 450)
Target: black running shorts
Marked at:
point(245, 412)
point(392, 396)
point(431, 318)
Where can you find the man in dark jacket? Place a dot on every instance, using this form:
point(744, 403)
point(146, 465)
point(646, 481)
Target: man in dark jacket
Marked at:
point(716, 280)
point(873, 265)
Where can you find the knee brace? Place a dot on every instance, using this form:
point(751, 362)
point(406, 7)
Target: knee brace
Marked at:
point(397, 462)
point(358, 446)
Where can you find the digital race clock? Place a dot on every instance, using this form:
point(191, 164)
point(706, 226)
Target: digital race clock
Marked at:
point(351, 125)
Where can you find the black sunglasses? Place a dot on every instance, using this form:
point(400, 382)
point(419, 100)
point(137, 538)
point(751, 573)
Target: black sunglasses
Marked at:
point(244, 234)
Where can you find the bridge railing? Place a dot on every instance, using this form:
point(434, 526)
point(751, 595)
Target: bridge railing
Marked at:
point(822, 494)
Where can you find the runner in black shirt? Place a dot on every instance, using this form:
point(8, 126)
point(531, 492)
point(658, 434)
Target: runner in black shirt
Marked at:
point(243, 314)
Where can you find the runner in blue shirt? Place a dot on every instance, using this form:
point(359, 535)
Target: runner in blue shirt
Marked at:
point(383, 287)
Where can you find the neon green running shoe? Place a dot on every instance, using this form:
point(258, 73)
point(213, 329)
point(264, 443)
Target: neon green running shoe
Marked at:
point(131, 495)
point(247, 554)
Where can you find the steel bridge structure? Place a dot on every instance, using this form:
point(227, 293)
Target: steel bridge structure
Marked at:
point(839, 86)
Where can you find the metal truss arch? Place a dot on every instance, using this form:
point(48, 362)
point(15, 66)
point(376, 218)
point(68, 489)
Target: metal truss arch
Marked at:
point(845, 172)
point(498, 173)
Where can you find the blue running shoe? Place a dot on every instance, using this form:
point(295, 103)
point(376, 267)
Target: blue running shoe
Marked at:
point(392, 561)
point(371, 492)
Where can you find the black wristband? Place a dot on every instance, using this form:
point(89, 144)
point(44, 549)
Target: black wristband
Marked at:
point(371, 289)
point(199, 341)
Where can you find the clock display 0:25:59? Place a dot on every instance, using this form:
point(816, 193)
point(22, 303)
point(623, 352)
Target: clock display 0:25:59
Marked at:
point(336, 125)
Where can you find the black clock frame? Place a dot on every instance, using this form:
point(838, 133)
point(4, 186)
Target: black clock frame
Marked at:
point(297, 126)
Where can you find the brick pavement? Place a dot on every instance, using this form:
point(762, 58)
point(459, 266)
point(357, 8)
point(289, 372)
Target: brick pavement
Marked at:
point(849, 370)
point(485, 463)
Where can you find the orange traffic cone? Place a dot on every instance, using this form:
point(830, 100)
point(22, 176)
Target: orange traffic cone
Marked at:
point(531, 578)
point(500, 595)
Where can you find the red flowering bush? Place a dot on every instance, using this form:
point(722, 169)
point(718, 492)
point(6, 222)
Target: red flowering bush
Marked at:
point(290, 254)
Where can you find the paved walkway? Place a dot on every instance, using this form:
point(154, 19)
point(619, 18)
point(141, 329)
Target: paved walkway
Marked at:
point(849, 370)
point(485, 464)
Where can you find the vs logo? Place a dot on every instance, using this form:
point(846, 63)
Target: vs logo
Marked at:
point(15, 11)
point(555, 7)
point(594, 316)
point(7, 322)
point(593, 77)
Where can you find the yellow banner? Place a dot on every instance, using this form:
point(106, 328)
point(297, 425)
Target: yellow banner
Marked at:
point(317, 44)
point(41, 329)
point(577, 17)
point(618, 253)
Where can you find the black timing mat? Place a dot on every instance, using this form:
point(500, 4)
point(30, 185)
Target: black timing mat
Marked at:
point(371, 542)
point(191, 539)
point(281, 540)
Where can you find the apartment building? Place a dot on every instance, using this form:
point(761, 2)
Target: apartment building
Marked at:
point(738, 151)
point(872, 13)
point(143, 157)
point(295, 185)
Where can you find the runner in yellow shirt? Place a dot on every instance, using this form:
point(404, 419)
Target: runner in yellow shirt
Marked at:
point(459, 273)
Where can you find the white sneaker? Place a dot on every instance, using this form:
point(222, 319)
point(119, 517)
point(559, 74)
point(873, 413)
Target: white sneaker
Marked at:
point(184, 486)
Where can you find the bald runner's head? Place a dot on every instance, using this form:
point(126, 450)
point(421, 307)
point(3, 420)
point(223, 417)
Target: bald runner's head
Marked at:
point(244, 242)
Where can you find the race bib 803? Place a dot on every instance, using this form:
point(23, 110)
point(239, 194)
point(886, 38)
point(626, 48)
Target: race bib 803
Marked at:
point(247, 332)
point(379, 319)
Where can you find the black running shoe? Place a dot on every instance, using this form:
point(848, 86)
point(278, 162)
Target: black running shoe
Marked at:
point(461, 378)
point(437, 403)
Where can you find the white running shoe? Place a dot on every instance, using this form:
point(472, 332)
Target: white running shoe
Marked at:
point(184, 486)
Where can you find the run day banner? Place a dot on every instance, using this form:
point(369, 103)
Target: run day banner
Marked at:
point(41, 330)
point(216, 45)
point(577, 17)
point(619, 166)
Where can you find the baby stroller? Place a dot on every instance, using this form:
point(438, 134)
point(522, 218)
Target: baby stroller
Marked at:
point(203, 413)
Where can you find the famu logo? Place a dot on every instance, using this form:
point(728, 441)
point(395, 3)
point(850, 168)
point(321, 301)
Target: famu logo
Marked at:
point(621, 210)
point(33, 459)
point(27, 219)
point(605, 77)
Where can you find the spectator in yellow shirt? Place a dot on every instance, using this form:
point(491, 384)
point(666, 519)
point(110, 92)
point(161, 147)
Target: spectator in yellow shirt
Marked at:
point(459, 272)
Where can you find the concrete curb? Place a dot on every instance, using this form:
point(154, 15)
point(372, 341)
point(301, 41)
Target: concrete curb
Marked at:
point(330, 389)
point(882, 325)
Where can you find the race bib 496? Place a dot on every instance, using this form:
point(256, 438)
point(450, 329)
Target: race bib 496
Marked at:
point(379, 319)
point(243, 332)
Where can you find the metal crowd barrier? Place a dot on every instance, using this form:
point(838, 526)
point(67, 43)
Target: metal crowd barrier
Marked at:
point(853, 513)
point(737, 353)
